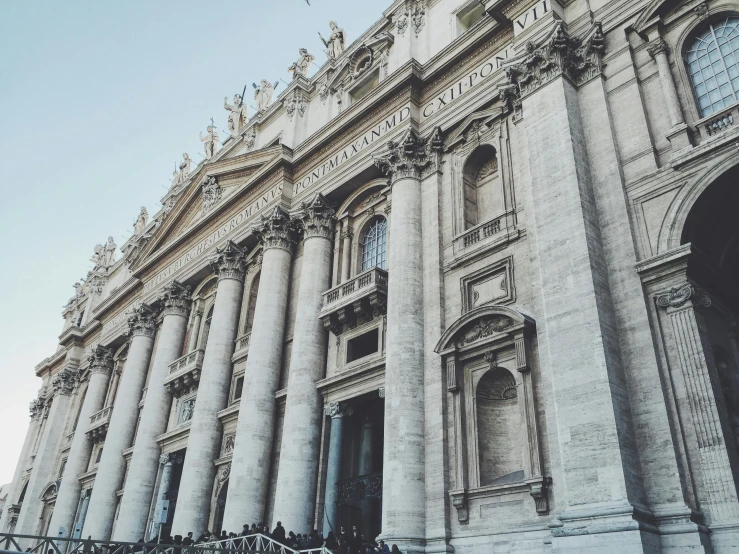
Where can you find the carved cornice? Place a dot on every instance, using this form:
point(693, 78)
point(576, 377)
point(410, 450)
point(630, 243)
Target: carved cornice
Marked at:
point(580, 59)
point(412, 156)
point(229, 262)
point(64, 382)
point(176, 299)
point(677, 297)
point(317, 218)
point(142, 322)
point(276, 230)
point(101, 360)
point(338, 409)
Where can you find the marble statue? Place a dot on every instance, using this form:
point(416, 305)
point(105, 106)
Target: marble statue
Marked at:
point(185, 167)
point(98, 258)
point(336, 43)
point(238, 116)
point(302, 66)
point(141, 221)
point(210, 142)
point(110, 248)
point(263, 94)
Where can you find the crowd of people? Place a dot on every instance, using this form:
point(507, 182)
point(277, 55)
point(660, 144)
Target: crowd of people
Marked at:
point(343, 542)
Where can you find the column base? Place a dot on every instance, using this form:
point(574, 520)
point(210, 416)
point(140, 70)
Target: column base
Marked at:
point(681, 529)
point(725, 538)
point(407, 545)
point(438, 546)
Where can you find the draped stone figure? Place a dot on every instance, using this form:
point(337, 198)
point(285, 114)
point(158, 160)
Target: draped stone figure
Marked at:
point(336, 43)
point(238, 116)
point(98, 258)
point(185, 167)
point(110, 248)
point(141, 221)
point(302, 65)
point(263, 94)
point(210, 142)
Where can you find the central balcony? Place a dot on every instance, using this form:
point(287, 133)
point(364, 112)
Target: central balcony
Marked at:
point(360, 298)
point(241, 348)
point(184, 373)
point(99, 422)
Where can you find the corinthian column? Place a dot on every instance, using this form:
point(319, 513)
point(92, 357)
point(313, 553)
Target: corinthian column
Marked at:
point(112, 467)
point(301, 432)
point(337, 411)
point(404, 492)
point(250, 468)
point(63, 385)
point(658, 49)
point(62, 521)
point(142, 472)
point(198, 472)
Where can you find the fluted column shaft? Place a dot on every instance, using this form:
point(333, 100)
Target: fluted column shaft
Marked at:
point(67, 500)
point(658, 49)
point(14, 493)
point(250, 467)
point(198, 472)
point(142, 472)
point(337, 411)
point(301, 433)
point(47, 453)
point(112, 467)
point(404, 491)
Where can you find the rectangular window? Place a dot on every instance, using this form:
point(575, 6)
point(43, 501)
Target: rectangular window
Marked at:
point(470, 15)
point(362, 90)
point(100, 455)
point(238, 388)
point(362, 346)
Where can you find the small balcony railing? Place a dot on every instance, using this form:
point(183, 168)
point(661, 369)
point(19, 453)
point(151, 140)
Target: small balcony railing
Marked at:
point(242, 346)
point(184, 373)
point(364, 296)
point(359, 488)
point(99, 422)
point(719, 122)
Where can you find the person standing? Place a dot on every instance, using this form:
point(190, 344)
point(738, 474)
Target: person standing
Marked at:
point(279, 533)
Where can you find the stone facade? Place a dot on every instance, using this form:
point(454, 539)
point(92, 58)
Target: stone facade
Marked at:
point(471, 286)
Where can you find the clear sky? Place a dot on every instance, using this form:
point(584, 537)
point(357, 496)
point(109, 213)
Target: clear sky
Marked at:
point(98, 101)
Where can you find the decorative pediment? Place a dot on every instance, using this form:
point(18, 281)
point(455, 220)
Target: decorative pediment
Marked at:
point(365, 56)
point(656, 9)
point(482, 325)
point(474, 126)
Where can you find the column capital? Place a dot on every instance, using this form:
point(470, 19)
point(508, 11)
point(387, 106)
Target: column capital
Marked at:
point(276, 230)
point(37, 407)
point(101, 360)
point(64, 382)
point(338, 409)
point(411, 157)
point(657, 47)
point(229, 262)
point(580, 59)
point(347, 233)
point(142, 322)
point(678, 297)
point(176, 299)
point(317, 217)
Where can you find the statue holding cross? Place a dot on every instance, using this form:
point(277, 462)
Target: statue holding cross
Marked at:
point(238, 116)
point(210, 141)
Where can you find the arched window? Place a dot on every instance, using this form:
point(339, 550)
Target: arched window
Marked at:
point(206, 328)
point(713, 64)
point(374, 245)
point(252, 304)
point(482, 195)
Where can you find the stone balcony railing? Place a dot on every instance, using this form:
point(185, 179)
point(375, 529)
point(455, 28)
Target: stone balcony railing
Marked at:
point(242, 347)
point(184, 373)
point(360, 298)
point(359, 488)
point(719, 122)
point(492, 231)
point(99, 422)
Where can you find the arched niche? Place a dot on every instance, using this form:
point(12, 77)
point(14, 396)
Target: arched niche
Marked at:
point(481, 189)
point(486, 357)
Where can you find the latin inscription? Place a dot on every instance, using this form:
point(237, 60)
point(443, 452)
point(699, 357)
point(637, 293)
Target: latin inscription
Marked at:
point(531, 16)
point(359, 145)
point(216, 237)
point(467, 83)
point(119, 320)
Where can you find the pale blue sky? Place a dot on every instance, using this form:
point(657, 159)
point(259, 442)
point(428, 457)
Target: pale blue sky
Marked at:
point(98, 101)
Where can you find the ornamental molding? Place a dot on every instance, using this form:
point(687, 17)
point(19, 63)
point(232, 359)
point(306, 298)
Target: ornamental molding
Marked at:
point(176, 299)
point(101, 360)
point(229, 262)
point(413, 15)
point(64, 382)
point(338, 409)
point(579, 59)
point(316, 218)
point(678, 297)
point(276, 230)
point(657, 47)
point(142, 322)
point(297, 102)
point(211, 193)
point(485, 327)
point(412, 156)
